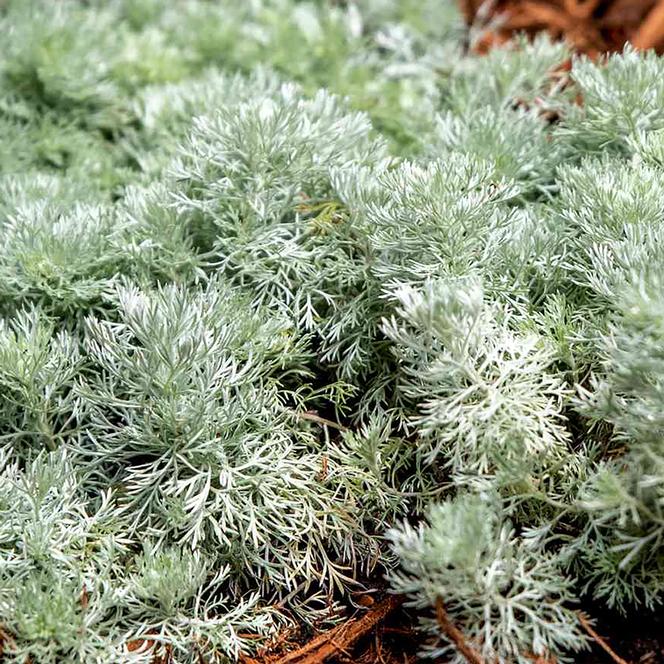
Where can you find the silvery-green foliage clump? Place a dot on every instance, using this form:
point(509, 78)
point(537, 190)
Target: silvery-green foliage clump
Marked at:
point(465, 560)
point(613, 222)
point(40, 366)
point(73, 585)
point(62, 259)
point(489, 404)
point(193, 414)
point(297, 295)
point(623, 498)
point(621, 100)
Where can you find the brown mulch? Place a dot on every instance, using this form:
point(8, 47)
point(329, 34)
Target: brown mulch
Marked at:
point(380, 634)
point(590, 26)
point(385, 633)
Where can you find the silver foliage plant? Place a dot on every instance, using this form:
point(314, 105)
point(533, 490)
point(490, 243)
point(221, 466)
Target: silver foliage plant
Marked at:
point(263, 343)
point(488, 402)
point(191, 413)
point(502, 593)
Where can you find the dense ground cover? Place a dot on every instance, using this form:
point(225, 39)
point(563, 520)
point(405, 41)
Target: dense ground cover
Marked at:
point(300, 296)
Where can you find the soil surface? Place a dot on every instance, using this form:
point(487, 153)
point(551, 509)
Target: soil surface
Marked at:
point(385, 633)
point(638, 639)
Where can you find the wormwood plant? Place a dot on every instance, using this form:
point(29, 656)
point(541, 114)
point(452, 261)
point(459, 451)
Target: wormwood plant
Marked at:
point(503, 593)
point(299, 296)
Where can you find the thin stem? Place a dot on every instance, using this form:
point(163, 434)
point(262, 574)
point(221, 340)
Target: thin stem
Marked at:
point(455, 635)
point(583, 620)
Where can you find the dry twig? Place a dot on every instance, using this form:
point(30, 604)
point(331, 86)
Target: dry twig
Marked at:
point(585, 623)
point(339, 639)
point(455, 635)
point(315, 417)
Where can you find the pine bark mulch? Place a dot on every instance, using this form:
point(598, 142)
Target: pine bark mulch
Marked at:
point(590, 26)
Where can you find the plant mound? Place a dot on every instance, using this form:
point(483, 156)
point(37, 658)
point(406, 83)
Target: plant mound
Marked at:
point(297, 297)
